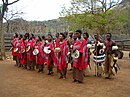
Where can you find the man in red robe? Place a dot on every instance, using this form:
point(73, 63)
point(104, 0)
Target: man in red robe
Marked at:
point(26, 36)
point(82, 61)
point(70, 43)
point(29, 52)
point(14, 42)
point(88, 53)
point(51, 55)
point(33, 42)
point(19, 49)
point(62, 57)
point(22, 51)
point(40, 57)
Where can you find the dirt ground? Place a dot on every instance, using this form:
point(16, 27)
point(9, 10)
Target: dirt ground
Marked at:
point(18, 82)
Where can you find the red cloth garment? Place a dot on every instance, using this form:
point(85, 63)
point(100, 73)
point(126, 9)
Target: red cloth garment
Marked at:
point(73, 42)
point(33, 42)
point(57, 43)
point(30, 43)
point(40, 57)
point(51, 56)
point(29, 52)
point(80, 62)
point(14, 42)
point(23, 55)
point(19, 48)
point(62, 57)
point(26, 42)
point(85, 55)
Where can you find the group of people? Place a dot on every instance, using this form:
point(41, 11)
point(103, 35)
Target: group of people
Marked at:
point(32, 53)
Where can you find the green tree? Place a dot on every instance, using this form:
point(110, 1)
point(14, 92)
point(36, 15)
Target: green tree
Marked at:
point(92, 14)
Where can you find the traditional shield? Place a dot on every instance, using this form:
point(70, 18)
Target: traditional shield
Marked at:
point(47, 50)
point(114, 47)
point(23, 50)
point(101, 51)
point(57, 50)
point(15, 49)
point(99, 59)
point(28, 48)
point(75, 54)
point(89, 46)
point(35, 51)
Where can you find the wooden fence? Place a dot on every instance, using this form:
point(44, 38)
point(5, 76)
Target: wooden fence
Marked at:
point(7, 39)
point(124, 44)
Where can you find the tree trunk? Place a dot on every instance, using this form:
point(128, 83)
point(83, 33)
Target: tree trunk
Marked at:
point(2, 38)
point(7, 27)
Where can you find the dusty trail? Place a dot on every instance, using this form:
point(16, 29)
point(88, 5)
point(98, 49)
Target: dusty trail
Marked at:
point(17, 82)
